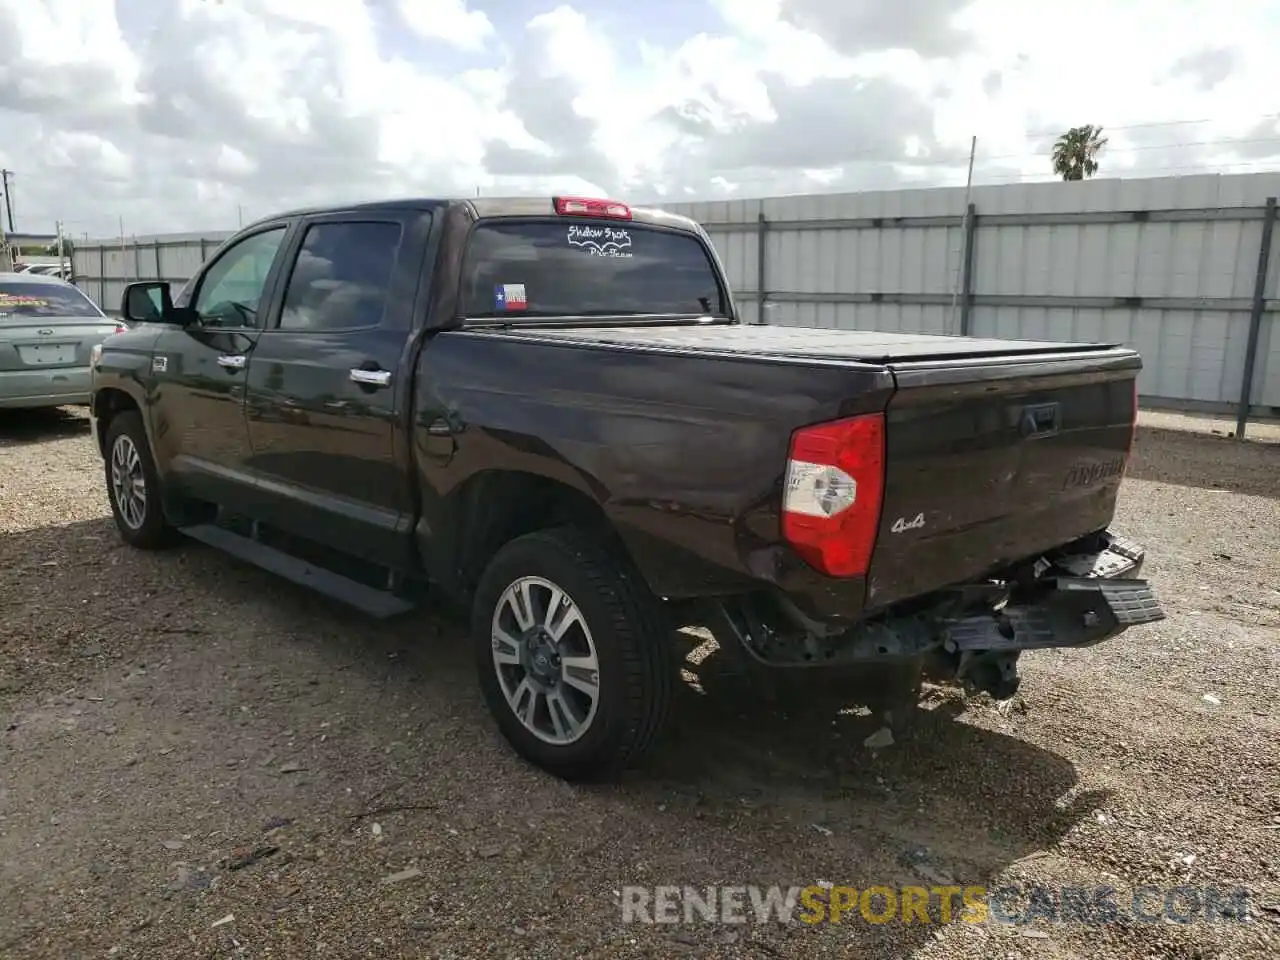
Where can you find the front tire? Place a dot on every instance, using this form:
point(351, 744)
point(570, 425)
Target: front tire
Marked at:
point(573, 653)
point(133, 485)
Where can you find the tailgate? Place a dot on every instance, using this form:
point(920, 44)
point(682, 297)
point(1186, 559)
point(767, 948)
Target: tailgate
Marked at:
point(992, 460)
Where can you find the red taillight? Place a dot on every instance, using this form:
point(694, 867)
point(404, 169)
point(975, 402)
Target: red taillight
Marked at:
point(834, 487)
point(591, 207)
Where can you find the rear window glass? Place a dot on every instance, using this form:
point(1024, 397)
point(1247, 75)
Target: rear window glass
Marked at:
point(567, 267)
point(50, 300)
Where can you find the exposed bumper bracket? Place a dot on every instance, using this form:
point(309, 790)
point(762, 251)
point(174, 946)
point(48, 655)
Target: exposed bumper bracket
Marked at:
point(1078, 600)
point(1073, 612)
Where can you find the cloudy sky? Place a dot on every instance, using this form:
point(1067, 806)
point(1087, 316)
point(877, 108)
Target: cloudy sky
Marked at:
point(195, 114)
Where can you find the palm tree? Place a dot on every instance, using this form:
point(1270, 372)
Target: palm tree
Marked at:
point(1075, 153)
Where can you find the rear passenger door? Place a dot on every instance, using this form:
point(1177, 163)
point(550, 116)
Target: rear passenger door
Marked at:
point(328, 384)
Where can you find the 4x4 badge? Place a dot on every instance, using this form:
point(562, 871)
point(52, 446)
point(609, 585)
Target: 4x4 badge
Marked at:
point(159, 364)
point(902, 524)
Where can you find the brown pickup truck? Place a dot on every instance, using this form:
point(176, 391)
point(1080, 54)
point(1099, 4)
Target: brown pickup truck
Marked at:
point(550, 411)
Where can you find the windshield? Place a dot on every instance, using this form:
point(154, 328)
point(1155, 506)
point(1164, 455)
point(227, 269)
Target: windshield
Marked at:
point(44, 301)
point(575, 268)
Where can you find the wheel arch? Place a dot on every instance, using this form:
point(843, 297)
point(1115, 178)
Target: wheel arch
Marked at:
point(110, 402)
point(494, 507)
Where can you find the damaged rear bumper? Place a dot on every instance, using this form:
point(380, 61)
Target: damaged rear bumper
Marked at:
point(982, 652)
point(975, 633)
point(1073, 612)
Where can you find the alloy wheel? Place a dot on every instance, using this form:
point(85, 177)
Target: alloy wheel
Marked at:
point(128, 483)
point(545, 660)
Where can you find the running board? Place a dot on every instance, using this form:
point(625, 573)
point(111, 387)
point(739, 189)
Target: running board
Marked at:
point(369, 600)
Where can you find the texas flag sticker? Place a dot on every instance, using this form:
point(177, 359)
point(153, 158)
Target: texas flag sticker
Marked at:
point(510, 296)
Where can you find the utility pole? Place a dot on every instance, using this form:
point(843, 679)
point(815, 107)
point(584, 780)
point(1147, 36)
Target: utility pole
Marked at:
point(6, 261)
point(8, 203)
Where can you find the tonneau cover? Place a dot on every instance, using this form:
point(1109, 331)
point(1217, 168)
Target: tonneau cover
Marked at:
point(802, 342)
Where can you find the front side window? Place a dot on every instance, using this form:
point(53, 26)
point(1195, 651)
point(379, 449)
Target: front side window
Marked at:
point(231, 291)
point(342, 276)
point(586, 267)
point(32, 300)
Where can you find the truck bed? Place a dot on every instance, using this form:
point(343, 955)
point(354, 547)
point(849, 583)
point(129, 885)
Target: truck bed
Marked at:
point(995, 451)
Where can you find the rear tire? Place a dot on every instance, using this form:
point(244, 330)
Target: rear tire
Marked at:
point(133, 485)
point(556, 616)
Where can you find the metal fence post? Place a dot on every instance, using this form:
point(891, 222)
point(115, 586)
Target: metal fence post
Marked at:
point(762, 231)
point(102, 275)
point(159, 273)
point(966, 280)
point(1255, 316)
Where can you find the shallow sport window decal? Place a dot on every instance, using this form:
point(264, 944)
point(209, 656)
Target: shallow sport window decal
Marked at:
point(528, 269)
point(601, 241)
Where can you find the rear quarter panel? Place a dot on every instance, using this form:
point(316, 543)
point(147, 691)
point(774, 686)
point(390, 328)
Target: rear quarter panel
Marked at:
point(684, 453)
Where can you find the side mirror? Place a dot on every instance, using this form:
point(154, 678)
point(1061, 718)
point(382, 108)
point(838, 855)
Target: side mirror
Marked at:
point(148, 302)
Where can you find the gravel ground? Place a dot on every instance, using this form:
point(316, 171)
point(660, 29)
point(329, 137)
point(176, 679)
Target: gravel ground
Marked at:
point(180, 751)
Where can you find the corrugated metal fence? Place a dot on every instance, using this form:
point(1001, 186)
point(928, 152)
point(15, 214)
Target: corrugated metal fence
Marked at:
point(1173, 267)
point(1169, 266)
point(103, 267)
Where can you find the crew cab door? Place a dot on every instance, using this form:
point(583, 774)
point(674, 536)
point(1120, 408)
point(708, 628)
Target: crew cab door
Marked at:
point(328, 385)
point(199, 371)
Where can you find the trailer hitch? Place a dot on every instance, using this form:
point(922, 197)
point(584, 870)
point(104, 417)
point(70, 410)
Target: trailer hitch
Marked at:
point(989, 671)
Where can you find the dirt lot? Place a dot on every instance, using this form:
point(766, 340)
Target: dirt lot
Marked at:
point(164, 719)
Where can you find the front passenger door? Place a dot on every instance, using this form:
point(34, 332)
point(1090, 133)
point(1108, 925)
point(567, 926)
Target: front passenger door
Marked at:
point(199, 371)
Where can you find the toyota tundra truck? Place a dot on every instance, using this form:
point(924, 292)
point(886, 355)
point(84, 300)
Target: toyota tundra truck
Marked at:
point(549, 412)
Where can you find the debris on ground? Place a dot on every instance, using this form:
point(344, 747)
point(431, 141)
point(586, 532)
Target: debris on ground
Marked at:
point(242, 857)
point(879, 740)
point(410, 873)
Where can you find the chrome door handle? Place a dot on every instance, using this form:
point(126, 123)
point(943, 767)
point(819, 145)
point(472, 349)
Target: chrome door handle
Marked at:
point(233, 362)
point(371, 378)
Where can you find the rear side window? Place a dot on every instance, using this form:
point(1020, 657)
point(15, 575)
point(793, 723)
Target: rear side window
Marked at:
point(342, 276)
point(32, 299)
point(589, 267)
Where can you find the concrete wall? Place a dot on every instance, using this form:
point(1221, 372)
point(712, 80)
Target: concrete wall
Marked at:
point(1167, 266)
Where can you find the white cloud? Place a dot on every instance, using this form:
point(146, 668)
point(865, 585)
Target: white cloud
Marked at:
point(68, 151)
point(65, 58)
point(179, 115)
point(447, 20)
